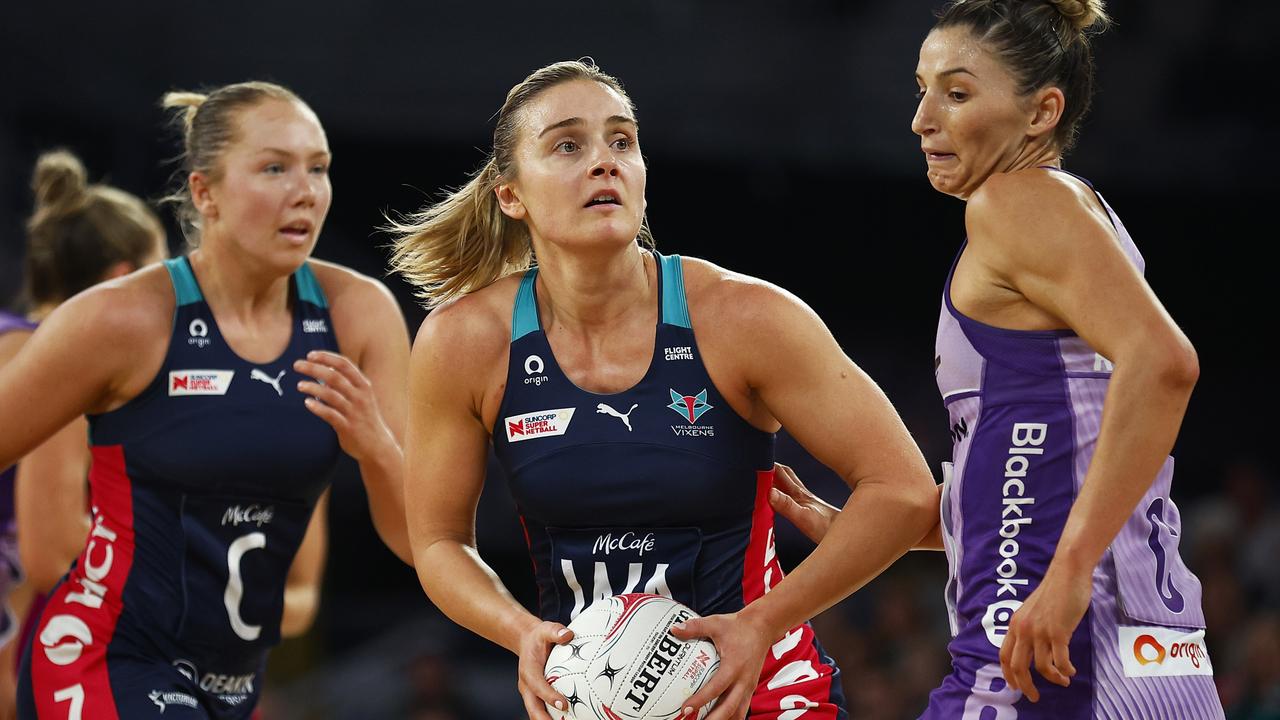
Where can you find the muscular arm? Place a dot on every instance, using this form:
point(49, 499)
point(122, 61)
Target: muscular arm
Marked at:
point(445, 468)
point(801, 376)
point(95, 351)
point(1077, 274)
point(454, 388)
point(1076, 271)
point(796, 374)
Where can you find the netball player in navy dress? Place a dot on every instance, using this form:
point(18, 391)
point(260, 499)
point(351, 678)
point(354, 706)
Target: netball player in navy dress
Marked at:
point(1066, 382)
point(218, 401)
point(632, 399)
point(79, 233)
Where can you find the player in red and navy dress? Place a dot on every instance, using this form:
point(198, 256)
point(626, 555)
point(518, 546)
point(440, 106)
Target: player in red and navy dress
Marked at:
point(218, 402)
point(632, 399)
point(79, 233)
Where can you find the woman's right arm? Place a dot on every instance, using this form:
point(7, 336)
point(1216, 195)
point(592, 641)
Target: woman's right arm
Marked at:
point(445, 461)
point(88, 356)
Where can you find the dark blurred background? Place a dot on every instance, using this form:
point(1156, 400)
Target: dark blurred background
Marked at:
point(778, 142)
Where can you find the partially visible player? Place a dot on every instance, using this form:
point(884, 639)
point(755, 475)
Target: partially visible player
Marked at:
point(79, 234)
point(222, 386)
point(632, 399)
point(1066, 382)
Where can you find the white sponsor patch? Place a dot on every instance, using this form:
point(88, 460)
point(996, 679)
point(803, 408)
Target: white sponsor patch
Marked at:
point(543, 423)
point(199, 382)
point(1153, 651)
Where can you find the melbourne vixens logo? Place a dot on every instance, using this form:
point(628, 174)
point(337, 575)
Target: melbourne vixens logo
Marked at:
point(691, 407)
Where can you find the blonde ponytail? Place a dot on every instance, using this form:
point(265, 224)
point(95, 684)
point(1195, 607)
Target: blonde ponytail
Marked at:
point(461, 243)
point(189, 102)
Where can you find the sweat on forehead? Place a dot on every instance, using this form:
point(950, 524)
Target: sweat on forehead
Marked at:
point(949, 52)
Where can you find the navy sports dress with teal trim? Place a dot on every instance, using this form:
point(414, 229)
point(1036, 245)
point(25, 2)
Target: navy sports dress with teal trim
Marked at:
point(660, 488)
point(202, 488)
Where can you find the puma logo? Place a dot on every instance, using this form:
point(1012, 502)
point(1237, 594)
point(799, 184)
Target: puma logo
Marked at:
point(626, 419)
point(257, 374)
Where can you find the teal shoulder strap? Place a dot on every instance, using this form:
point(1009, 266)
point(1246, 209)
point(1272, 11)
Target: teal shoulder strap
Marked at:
point(309, 289)
point(675, 310)
point(524, 316)
point(184, 281)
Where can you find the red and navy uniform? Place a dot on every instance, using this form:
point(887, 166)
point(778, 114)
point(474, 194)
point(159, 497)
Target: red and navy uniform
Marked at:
point(202, 487)
point(661, 488)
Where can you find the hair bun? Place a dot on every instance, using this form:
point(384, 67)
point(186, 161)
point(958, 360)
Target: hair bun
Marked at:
point(59, 181)
point(1082, 14)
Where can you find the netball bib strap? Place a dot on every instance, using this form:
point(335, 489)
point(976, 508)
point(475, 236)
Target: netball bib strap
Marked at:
point(524, 316)
point(184, 281)
point(675, 311)
point(309, 289)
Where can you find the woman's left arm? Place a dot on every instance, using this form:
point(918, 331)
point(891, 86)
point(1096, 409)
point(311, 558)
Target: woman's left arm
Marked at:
point(361, 393)
point(800, 376)
point(1076, 271)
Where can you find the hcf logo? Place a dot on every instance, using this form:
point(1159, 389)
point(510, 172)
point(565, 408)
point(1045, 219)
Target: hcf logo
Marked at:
point(691, 407)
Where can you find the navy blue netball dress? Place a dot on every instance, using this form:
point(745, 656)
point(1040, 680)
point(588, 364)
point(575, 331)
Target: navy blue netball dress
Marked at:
point(202, 487)
point(661, 488)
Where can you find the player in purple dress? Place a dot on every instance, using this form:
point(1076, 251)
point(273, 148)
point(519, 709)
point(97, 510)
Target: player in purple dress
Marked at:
point(1066, 382)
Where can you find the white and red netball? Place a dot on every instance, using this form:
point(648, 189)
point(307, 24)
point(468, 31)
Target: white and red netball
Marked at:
point(624, 664)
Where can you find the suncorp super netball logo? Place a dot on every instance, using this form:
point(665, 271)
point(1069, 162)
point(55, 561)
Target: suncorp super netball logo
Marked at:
point(543, 423)
point(1163, 652)
point(199, 382)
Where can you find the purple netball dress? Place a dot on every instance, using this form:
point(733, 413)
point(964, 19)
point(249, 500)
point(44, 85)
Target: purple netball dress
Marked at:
point(1025, 411)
